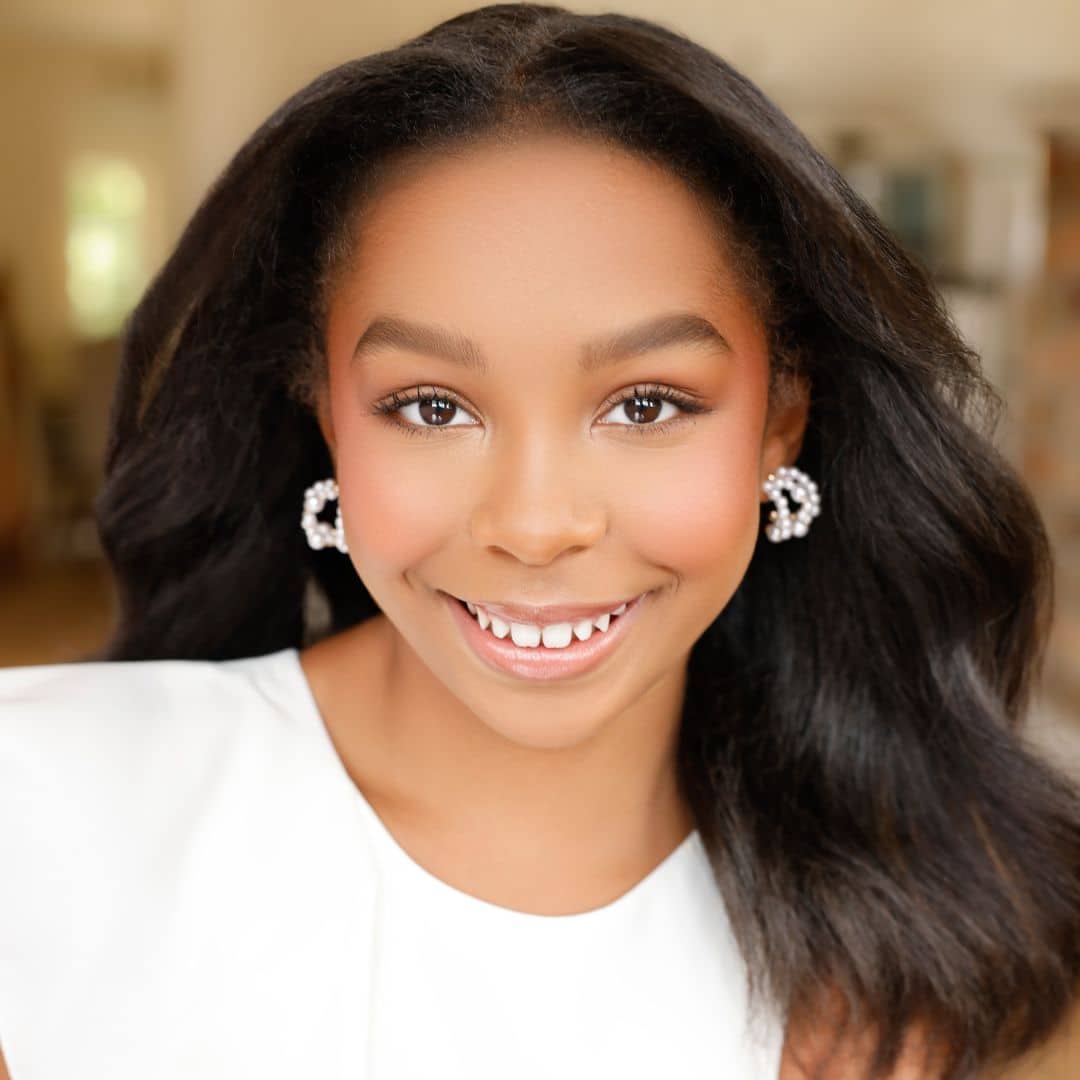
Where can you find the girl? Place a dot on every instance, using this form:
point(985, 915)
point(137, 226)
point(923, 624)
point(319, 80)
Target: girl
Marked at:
point(573, 619)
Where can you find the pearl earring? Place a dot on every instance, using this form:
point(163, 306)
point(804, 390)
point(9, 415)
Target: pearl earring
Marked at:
point(806, 494)
point(319, 533)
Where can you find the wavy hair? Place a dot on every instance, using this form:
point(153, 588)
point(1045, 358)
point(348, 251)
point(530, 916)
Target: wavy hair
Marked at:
point(850, 739)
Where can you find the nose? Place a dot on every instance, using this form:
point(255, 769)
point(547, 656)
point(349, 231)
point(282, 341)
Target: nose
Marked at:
point(538, 504)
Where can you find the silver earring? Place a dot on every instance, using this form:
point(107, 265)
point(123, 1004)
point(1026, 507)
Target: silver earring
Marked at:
point(804, 489)
point(319, 533)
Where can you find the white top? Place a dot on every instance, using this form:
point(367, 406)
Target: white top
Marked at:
point(193, 886)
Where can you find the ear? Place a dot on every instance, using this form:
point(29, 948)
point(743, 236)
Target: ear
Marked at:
point(785, 428)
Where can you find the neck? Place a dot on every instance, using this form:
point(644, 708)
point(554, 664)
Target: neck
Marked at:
point(571, 823)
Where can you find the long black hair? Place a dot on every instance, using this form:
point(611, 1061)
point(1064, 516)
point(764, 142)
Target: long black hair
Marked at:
point(850, 742)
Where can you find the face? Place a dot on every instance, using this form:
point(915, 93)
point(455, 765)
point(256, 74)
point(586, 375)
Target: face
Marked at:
point(547, 470)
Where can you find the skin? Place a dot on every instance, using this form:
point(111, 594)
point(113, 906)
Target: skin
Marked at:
point(552, 798)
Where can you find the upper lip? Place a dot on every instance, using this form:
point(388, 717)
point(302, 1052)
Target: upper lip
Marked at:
point(549, 613)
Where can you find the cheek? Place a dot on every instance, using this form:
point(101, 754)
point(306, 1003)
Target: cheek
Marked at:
point(695, 510)
point(396, 503)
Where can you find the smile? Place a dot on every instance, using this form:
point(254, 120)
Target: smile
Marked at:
point(543, 651)
point(553, 635)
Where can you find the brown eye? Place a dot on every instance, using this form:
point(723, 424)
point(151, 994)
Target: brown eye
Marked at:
point(436, 411)
point(422, 411)
point(650, 409)
point(642, 410)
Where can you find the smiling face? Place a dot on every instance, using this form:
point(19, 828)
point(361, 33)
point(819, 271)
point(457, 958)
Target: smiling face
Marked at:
point(548, 468)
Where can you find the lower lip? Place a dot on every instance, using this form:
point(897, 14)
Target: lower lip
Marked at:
point(541, 663)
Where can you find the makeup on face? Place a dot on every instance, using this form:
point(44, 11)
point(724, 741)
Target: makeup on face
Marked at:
point(550, 650)
point(546, 391)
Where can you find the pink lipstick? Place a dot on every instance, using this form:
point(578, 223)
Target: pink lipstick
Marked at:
point(540, 662)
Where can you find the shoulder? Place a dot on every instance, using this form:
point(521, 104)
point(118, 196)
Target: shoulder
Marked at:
point(130, 734)
point(104, 764)
point(163, 801)
point(123, 686)
point(137, 696)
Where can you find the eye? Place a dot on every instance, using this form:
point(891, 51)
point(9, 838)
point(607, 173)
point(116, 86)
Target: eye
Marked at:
point(643, 408)
point(431, 409)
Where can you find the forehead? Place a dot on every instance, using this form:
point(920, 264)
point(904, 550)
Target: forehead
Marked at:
point(528, 238)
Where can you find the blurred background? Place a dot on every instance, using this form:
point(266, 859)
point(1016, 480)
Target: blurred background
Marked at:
point(959, 122)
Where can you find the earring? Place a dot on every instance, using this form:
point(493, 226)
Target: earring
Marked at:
point(806, 494)
point(319, 533)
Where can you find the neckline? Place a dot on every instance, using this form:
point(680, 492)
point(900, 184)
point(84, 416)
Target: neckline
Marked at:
point(637, 893)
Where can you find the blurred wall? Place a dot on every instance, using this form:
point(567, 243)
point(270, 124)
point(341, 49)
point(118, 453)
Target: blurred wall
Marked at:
point(58, 98)
point(1049, 404)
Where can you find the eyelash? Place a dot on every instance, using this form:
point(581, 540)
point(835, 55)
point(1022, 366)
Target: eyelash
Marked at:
point(389, 407)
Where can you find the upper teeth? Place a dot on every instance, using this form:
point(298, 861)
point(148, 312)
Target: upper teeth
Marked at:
point(553, 636)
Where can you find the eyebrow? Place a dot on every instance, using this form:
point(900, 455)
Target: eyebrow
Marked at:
point(663, 331)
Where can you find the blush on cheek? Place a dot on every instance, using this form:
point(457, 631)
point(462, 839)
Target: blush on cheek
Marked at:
point(699, 525)
point(697, 515)
point(397, 510)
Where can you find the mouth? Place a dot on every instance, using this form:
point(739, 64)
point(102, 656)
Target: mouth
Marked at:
point(551, 651)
